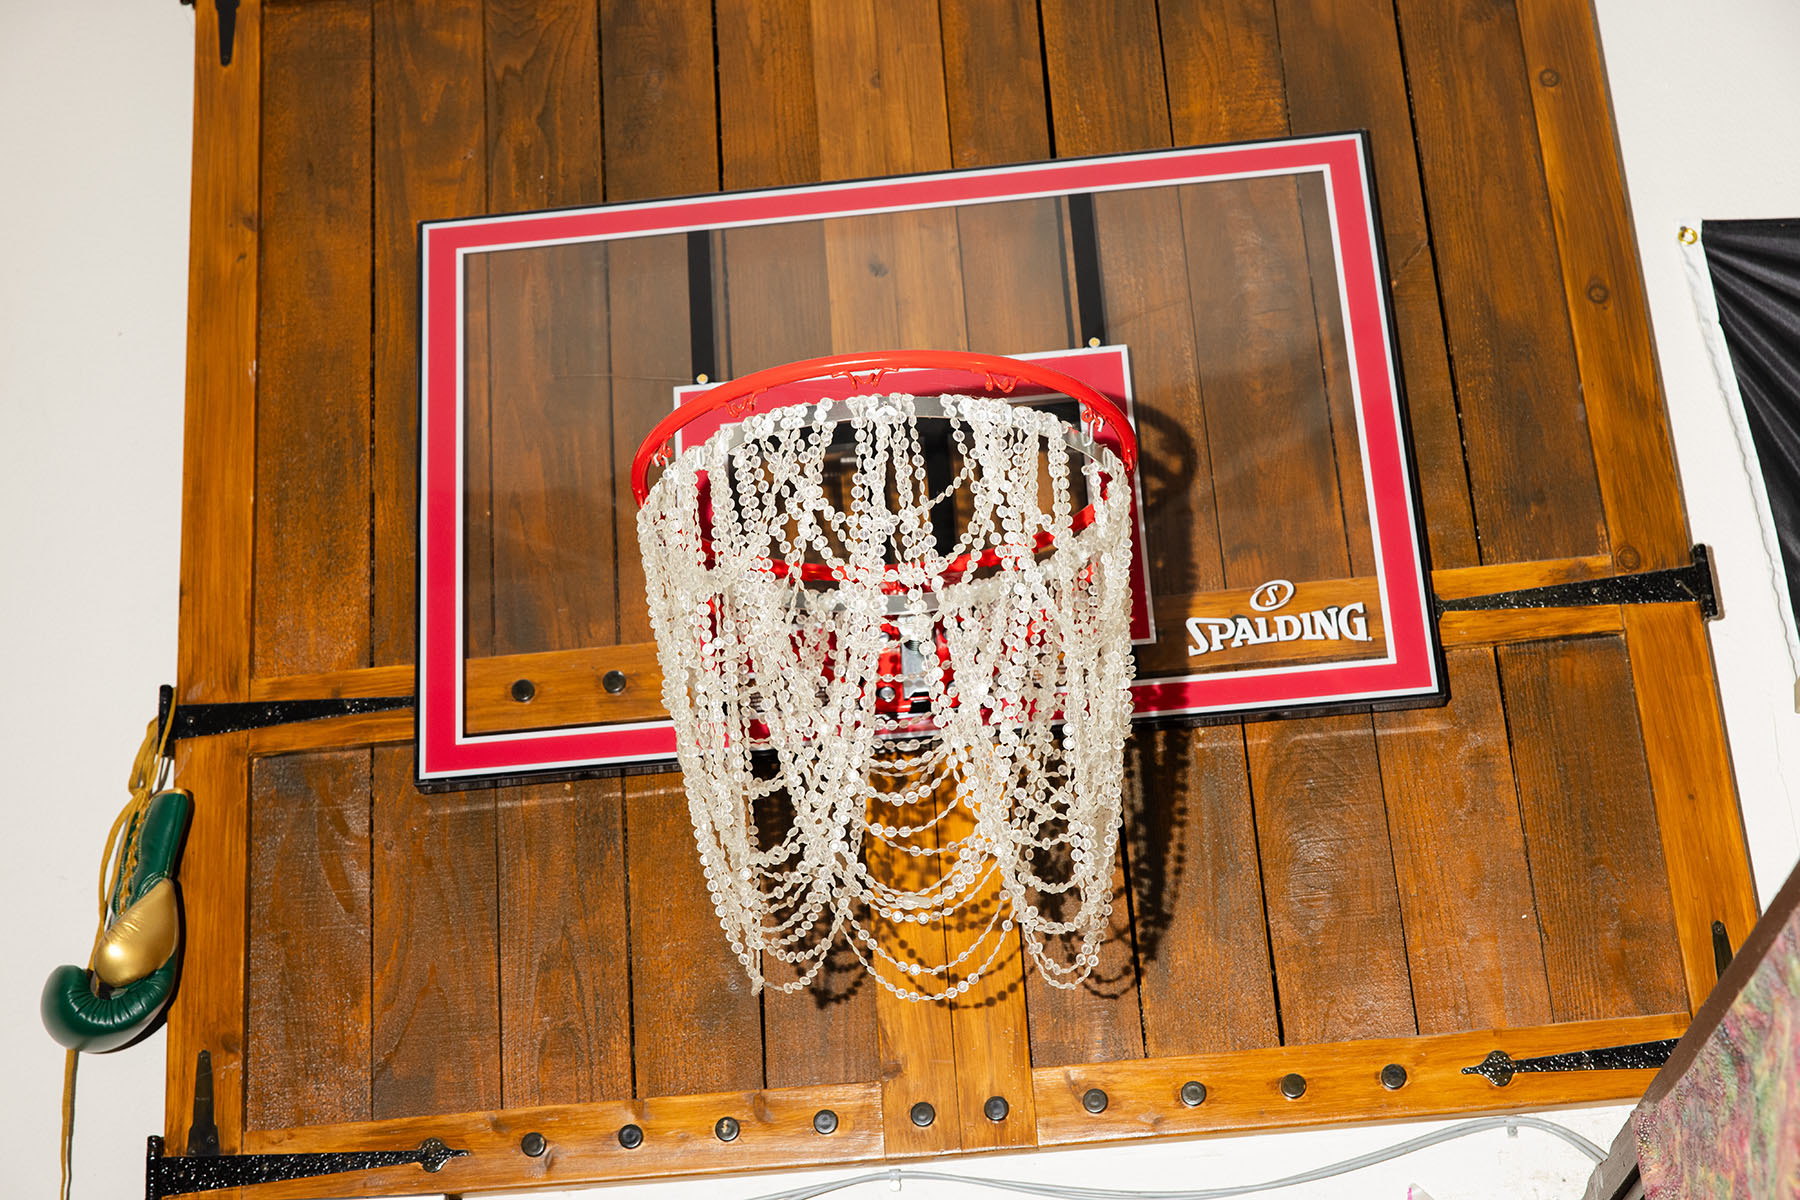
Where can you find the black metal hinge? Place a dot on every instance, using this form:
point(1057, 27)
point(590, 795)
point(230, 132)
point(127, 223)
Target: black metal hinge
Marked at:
point(1672, 585)
point(171, 1176)
point(199, 720)
point(1499, 1067)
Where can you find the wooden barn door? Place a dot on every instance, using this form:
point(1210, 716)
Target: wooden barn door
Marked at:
point(1535, 867)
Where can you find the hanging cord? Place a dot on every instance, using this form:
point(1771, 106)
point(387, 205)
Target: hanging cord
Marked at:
point(150, 770)
point(1057, 1191)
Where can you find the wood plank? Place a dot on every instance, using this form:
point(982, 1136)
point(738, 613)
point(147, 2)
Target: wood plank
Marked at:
point(373, 729)
point(1316, 785)
point(1197, 894)
point(543, 104)
point(1342, 1082)
point(312, 407)
point(1335, 930)
point(1105, 68)
point(565, 1000)
point(1603, 287)
point(993, 82)
point(1017, 297)
point(1690, 775)
point(776, 309)
point(551, 445)
point(1108, 93)
point(309, 927)
point(429, 117)
point(876, 270)
point(776, 1130)
point(207, 1012)
point(217, 555)
point(219, 436)
point(1256, 339)
point(1529, 460)
point(396, 680)
point(435, 946)
point(696, 1023)
point(1460, 582)
point(1505, 626)
point(768, 117)
point(1472, 945)
point(1343, 71)
point(1597, 864)
point(1226, 83)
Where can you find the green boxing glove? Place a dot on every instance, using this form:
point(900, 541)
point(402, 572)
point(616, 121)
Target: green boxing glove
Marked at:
point(118, 999)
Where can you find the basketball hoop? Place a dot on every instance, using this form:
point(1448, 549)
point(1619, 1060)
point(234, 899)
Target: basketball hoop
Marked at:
point(905, 620)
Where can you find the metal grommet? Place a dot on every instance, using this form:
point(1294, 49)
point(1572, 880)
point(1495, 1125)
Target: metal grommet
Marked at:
point(922, 1114)
point(613, 682)
point(1293, 1086)
point(523, 690)
point(824, 1121)
point(631, 1137)
point(534, 1144)
point(1193, 1093)
point(1688, 235)
point(995, 1108)
point(1094, 1100)
point(1393, 1077)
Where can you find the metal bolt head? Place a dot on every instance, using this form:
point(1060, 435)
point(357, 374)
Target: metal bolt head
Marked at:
point(613, 682)
point(886, 691)
point(1393, 1077)
point(534, 1144)
point(995, 1108)
point(1293, 1086)
point(1193, 1093)
point(922, 1114)
point(523, 690)
point(825, 1121)
point(1094, 1100)
point(726, 1129)
point(631, 1137)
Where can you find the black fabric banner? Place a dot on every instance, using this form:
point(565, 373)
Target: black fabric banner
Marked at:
point(1755, 269)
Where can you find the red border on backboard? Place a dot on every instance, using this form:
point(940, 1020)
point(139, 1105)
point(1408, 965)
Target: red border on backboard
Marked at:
point(1411, 668)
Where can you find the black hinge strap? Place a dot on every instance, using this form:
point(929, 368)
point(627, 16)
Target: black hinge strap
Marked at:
point(1499, 1067)
point(200, 720)
point(1671, 585)
point(171, 1176)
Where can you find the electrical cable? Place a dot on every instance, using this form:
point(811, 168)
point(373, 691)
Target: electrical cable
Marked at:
point(1057, 1191)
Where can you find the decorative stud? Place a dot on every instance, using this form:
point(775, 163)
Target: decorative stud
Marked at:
point(995, 1108)
point(533, 1144)
point(726, 1129)
point(1293, 1086)
point(1393, 1077)
point(613, 682)
point(523, 690)
point(631, 1137)
point(1094, 1100)
point(923, 1114)
point(1193, 1093)
point(825, 1121)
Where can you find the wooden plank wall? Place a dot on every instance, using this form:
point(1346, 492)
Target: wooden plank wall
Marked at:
point(1493, 863)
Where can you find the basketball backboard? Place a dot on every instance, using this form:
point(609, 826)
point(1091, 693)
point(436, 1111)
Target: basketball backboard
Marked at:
point(1232, 299)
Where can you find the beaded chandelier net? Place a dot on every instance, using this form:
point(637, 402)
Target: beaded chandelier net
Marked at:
point(894, 635)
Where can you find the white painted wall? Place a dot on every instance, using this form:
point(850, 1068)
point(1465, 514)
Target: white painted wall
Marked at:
point(95, 112)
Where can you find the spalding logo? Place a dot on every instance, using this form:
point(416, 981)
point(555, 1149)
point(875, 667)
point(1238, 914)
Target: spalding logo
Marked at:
point(1209, 635)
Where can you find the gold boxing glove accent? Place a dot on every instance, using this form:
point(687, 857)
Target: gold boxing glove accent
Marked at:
point(140, 939)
